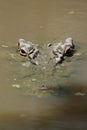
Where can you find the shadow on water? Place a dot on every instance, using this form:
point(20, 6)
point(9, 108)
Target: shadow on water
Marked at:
point(67, 109)
point(62, 114)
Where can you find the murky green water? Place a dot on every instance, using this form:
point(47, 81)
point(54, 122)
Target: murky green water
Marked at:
point(23, 103)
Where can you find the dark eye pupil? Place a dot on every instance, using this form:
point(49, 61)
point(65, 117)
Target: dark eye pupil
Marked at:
point(23, 51)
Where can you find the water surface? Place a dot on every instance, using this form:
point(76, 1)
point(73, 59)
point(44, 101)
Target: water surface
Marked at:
point(43, 21)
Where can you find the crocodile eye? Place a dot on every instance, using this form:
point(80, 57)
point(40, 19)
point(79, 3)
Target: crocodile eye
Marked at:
point(22, 51)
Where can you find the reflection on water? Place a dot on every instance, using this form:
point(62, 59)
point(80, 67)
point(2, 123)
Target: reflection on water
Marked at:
point(63, 113)
point(43, 21)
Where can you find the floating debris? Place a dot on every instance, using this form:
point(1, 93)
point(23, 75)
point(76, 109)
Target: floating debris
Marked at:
point(79, 94)
point(78, 54)
point(4, 46)
point(71, 12)
point(14, 79)
point(16, 86)
point(12, 56)
point(41, 27)
point(33, 80)
point(26, 64)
